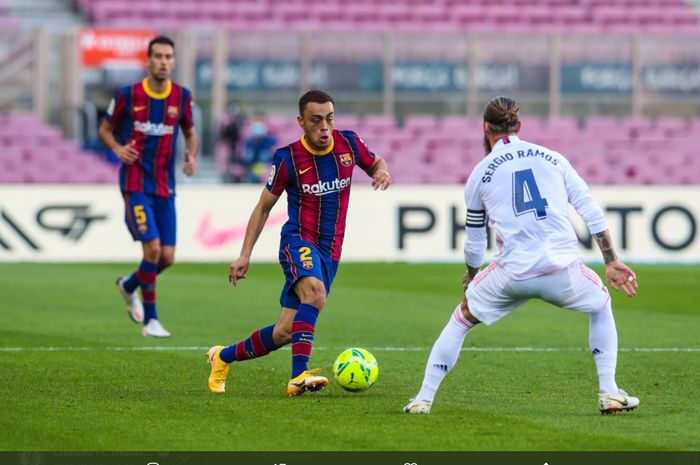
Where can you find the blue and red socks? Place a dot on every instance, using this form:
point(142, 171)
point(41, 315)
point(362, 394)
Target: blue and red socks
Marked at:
point(259, 343)
point(146, 276)
point(132, 282)
point(303, 331)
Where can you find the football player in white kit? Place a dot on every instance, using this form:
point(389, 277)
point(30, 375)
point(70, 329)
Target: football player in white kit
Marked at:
point(524, 190)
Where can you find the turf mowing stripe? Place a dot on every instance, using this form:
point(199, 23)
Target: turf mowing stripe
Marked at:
point(377, 349)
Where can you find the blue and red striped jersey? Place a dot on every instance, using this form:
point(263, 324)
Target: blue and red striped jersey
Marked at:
point(150, 121)
point(318, 188)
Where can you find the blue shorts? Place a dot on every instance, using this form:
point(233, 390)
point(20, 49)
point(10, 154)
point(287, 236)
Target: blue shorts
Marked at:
point(151, 217)
point(299, 259)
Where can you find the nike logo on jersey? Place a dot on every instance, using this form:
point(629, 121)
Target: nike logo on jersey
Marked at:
point(140, 108)
point(304, 170)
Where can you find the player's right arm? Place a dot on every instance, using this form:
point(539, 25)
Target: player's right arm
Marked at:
point(475, 229)
point(276, 183)
point(115, 112)
point(619, 275)
point(257, 221)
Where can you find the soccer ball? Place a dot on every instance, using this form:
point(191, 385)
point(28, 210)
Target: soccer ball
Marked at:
point(355, 369)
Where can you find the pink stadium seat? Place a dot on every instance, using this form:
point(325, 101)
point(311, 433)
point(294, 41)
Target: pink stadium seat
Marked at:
point(35, 152)
point(347, 121)
point(672, 16)
point(419, 124)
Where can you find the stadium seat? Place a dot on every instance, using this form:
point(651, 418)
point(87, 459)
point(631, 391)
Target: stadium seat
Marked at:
point(402, 15)
point(36, 153)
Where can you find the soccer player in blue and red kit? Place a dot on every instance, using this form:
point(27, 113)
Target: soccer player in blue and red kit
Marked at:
point(141, 129)
point(316, 172)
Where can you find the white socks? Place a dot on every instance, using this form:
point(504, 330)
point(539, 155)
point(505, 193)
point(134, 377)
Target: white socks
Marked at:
point(444, 354)
point(603, 343)
point(447, 347)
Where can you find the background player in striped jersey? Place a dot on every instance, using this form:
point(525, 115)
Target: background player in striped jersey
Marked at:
point(316, 172)
point(524, 190)
point(141, 128)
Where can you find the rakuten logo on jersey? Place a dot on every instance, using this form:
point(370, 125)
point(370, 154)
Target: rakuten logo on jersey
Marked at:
point(151, 129)
point(324, 188)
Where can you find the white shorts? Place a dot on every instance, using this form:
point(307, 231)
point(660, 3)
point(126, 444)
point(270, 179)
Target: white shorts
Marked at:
point(492, 294)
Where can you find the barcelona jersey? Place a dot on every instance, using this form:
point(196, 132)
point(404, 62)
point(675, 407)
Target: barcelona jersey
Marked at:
point(149, 122)
point(318, 188)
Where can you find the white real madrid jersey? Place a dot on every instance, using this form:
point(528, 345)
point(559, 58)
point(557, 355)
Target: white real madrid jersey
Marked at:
point(524, 190)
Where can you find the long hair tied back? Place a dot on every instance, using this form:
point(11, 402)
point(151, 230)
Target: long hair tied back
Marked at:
point(502, 115)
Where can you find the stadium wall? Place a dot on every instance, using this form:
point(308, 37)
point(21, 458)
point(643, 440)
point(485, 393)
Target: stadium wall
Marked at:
point(405, 223)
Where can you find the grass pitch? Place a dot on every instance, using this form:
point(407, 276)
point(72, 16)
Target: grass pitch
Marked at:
point(77, 374)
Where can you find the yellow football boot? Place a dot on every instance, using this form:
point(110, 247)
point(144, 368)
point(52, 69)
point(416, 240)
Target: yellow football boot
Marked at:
point(219, 370)
point(306, 381)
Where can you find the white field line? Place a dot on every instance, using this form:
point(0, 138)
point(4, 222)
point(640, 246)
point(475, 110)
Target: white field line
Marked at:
point(374, 349)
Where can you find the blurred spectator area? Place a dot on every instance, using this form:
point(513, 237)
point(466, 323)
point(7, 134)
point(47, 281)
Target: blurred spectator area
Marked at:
point(422, 149)
point(444, 150)
point(573, 16)
point(33, 152)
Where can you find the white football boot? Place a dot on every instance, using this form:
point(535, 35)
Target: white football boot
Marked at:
point(613, 403)
point(418, 406)
point(154, 329)
point(134, 308)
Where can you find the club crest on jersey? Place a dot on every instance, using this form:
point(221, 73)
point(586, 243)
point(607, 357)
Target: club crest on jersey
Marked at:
point(143, 229)
point(345, 159)
point(172, 111)
point(307, 264)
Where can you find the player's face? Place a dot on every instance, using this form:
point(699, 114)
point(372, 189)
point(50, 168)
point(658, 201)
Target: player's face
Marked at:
point(161, 62)
point(317, 123)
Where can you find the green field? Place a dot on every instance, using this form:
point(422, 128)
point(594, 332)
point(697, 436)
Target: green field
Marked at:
point(83, 377)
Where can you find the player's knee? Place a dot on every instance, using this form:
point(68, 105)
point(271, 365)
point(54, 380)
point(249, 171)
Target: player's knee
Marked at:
point(166, 261)
point(312, 292)
point(282, 335)
point(151, 253)
point(464, 307)
point(316, 297)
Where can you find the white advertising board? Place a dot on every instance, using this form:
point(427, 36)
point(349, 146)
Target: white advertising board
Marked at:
point(78, 223)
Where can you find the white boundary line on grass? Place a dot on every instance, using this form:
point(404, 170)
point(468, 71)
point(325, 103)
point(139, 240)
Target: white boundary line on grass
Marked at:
point(376, 349)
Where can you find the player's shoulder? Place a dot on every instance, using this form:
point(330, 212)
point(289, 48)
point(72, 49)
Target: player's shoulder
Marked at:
point(477, 172)
point(541, 149)
point(125, 91)
point(185, 90)
point(483, 162)
point(347, 134)
point(283, 153)
point(354, 141)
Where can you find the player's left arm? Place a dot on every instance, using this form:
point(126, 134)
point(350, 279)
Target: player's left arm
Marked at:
point(619, 275)
point(379, 172)
point(191, 141)
point(374, 165)
point(191, 148)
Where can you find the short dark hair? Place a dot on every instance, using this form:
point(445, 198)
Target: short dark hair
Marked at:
point(160, 40)
point(315, 96)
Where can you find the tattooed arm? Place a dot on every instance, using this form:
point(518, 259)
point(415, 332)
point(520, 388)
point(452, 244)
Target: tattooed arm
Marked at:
point(619, 275)
point(605, 245)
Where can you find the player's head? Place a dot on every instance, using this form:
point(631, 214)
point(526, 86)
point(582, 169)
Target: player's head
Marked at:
point(316, 113)
point(501, 117)
point(161, 58)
